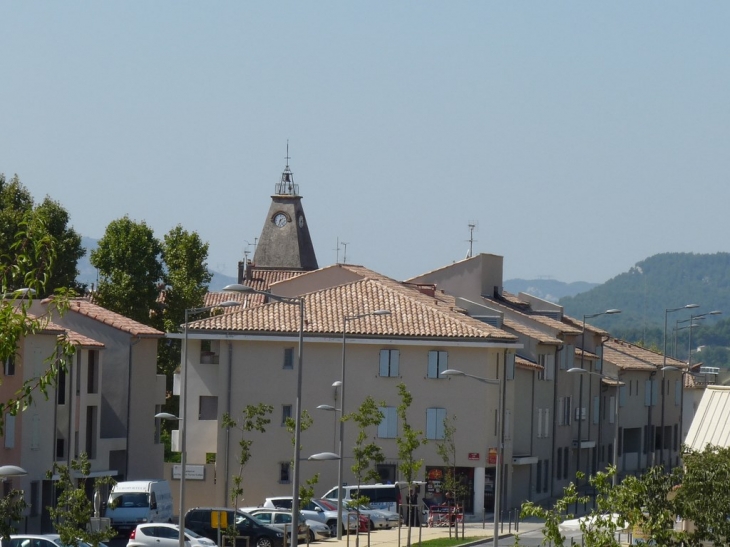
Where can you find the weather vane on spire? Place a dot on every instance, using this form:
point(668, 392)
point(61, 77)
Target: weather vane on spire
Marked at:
point(286, 186)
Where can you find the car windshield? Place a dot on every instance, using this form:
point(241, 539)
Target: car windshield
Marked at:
point(327, 505)
point(129, 499)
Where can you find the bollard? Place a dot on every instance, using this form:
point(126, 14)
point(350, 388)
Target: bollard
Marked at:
point(517, 521)
point(509, 521)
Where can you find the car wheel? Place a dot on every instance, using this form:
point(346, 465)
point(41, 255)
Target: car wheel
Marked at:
point(264, 542)
point(333, 528)
point(311, 536)
point(372, 525)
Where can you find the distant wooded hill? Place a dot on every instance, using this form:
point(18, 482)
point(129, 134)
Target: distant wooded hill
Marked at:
point(661, 282)
point(547, 289)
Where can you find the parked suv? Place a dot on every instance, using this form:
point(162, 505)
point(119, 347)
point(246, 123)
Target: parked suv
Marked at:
point(320, 510)
point(200, 521)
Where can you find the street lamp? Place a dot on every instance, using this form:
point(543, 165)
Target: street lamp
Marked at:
point(295, 301)
point(580, 386)
point(692, 324)
point(183, 409)
point(664, 364)
point(615, 418)
point(500, 442)
point(11, 471)
point(340, 464)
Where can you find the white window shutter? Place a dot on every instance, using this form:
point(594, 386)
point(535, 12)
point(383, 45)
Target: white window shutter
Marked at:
point(384, 362)
point(561, 411)
point(9, 431)
point(539, 423)
point(440, 417)
point(430, 423)
point(550, 367)
point(395, 362)
point(433, 357)
point(547, 422)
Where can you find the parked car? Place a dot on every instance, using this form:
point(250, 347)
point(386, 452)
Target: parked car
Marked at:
point(279, 518)
point(200, 520)
point(40, 540)
point(165, 535)
point(319, 510)
point(386, 497)
point(318, 530)
point(378, 519)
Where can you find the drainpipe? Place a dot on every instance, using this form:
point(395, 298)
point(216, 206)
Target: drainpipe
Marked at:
point(132, 343)
point(228, 429)
point(555, 415)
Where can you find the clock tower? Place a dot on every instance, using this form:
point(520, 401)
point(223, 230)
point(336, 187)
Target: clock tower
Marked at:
point(285, 242)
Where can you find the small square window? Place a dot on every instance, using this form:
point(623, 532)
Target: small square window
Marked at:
point(208, 409)
point(389, 362)
point(438, 361)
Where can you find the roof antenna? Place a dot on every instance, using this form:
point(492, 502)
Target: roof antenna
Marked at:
point(471, 240)
point(344, 258)
point(337, 261)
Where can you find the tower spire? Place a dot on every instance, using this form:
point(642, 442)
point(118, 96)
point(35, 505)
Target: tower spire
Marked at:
point(286, 186)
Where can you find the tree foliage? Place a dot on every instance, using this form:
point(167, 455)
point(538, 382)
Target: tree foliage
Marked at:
point(408, 442)
point(366, 451)
point(73, 509)
point(446, 448)
point(130, 271)
point(254, 418)
point(19, 215)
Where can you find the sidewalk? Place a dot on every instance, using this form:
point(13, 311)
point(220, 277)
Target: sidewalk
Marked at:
point(398, 537)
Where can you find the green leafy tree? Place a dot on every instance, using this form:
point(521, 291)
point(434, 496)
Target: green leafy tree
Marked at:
point(73, 511)
point(554, 515)
point(408, 442)
point(11, 512)
point(306, 490)
point(254, 418)
point(19, 214)
point(446, 448)
point(366, 451)
point(130, 271)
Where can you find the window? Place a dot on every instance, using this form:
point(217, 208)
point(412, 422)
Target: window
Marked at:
point(559, 465)
point(650, 393)
point(567, 357)
point(543, 423)
point(208, 407)
point(435, 423)
point(285, 413)
point(437, 363)
point(10, 366)
point(284, 472)
point(677, 392)
point(566, 458)
point(389, 362)
point(539, 423)
point(538, 482)
point(60, 448)
point(61, 387)
point(9, 431)
point(288, 358)
point(91, 425)
point(210, 352)
point(546, 417)
point(564, 408)
point(388, 428)
point(547, 362)
point(612, 410)
point(545, 475)
point(92, 380)
point(35, 498)
point(596, 409)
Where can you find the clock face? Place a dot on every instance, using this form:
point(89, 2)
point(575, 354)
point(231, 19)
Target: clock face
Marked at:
point(280, 219)
point(301, 221)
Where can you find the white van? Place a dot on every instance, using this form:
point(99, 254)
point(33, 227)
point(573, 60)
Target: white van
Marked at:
point(136, 502)
point(387, 497)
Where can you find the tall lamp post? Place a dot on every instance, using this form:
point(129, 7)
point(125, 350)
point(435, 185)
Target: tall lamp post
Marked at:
point(500, 442)
point(664, 364)
point(183, 407)
point(615, 417)
point(295, 301)
point(683, 373)
point(340, 463)
point(692, 319)
point(580, 386)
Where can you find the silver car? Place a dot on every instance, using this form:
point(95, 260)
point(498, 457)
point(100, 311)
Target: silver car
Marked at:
point(320, 510)
point(159, 534)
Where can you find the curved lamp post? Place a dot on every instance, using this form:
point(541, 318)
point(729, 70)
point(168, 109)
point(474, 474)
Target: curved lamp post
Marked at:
point(615, 418)
point(294, 301)
point(580, 387)
point(667, 311)
point(345, 320)
point(500, 445)
point(183, 407)
point(11, 471)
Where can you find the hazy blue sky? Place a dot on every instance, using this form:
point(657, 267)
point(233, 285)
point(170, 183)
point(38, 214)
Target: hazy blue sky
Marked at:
point(581, 137)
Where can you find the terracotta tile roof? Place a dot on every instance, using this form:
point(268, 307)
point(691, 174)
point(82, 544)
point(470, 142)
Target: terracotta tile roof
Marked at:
point(588, 354)
point(530, 332)
point(526, 363)
point(96, 312)
point(413, 314)
point(578, 323)
point(259, 279)
point(78, 339)
point(628, 356)
point(559, 326)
